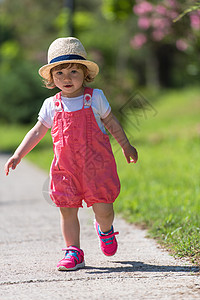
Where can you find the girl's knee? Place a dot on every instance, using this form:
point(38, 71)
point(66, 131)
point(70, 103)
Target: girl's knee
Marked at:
point(103, 209)
point(68, 211)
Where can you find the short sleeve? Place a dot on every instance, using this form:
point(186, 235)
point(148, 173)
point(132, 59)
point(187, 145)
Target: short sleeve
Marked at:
point(103, 105)
point(46, 113)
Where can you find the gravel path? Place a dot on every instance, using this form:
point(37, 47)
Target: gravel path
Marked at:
point(31, 243)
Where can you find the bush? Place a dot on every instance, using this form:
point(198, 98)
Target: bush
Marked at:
point(21, 93)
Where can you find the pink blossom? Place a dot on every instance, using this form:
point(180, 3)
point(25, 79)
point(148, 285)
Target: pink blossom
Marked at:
point(143, 8)
point(172, 3)
point(160, 23)
point(195, 21)
point(144, 22)
point(181, 45)
point(161, 10)
point(138, 40)
point(158, 35)
point(172, 14)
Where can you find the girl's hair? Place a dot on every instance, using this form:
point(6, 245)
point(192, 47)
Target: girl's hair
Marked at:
point(49, 83)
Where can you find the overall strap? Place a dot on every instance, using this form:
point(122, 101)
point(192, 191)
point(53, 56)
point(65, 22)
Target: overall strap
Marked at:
point(87, 99)
point(57, 102)
point(59, 108)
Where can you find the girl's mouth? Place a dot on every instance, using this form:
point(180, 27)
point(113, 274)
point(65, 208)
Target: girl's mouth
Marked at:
point(68, 85)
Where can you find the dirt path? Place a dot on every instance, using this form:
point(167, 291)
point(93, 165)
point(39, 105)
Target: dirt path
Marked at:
point(31, 243)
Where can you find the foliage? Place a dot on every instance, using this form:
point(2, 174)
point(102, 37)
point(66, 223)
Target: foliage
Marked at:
point(107, 29)
point(162, 190)
point(117, 9)
point(31, 22)
point(156, 24)
point(21, 93)
point(167, 45)
point(160, 47)
point(31, 43)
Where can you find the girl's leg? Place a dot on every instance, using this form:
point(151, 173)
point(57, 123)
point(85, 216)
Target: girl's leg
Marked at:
point(70, 226)
point(104, 215)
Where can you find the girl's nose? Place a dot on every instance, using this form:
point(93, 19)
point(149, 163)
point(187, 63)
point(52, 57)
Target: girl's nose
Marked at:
point(66, 77)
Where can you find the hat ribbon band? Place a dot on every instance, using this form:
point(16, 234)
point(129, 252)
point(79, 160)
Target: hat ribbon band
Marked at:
point(67, 57)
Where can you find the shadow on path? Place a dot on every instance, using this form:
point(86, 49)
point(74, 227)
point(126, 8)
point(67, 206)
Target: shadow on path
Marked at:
point(134, 266)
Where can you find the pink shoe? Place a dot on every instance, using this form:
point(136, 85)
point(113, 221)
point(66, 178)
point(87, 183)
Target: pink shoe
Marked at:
point(108, 242)
point(73, 260)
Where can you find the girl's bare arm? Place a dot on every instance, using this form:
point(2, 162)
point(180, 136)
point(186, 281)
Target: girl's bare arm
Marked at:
point(31, 139)
point(114, 127)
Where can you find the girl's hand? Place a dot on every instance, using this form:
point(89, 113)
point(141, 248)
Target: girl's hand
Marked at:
point(115, 128)
point(130, 153)
point(31, 139)
point(12, 163)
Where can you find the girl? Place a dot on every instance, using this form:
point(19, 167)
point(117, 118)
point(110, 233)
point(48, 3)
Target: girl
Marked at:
point(83, 167)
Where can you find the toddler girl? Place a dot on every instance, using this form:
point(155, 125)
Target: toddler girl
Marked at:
point(83, 167)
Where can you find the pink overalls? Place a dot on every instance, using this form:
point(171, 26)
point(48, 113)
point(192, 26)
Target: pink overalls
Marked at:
point(83, 167)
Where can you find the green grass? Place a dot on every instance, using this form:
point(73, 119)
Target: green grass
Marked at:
point(11, 137)
point(161, 191)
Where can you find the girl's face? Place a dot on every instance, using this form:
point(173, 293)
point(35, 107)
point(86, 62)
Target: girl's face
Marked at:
point(69, 81)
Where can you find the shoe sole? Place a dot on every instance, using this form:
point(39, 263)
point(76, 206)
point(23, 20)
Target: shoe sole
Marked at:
point(79, 266)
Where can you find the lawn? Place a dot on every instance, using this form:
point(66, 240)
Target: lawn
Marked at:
point(161, 191)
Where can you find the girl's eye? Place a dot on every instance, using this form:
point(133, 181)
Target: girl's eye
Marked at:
point(59, 73)
point(74, 71)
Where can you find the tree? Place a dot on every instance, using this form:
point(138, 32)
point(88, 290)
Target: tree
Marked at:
point(157, 31)
point(24, 28)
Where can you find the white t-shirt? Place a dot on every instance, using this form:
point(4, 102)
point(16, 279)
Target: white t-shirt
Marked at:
point(100, 106)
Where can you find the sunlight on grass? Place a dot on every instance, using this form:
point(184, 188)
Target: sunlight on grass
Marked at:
point(162, 190)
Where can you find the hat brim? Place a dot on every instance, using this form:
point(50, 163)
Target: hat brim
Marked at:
point(93, 68)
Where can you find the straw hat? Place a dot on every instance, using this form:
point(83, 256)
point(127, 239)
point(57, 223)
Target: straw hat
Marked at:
point(67, 50)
